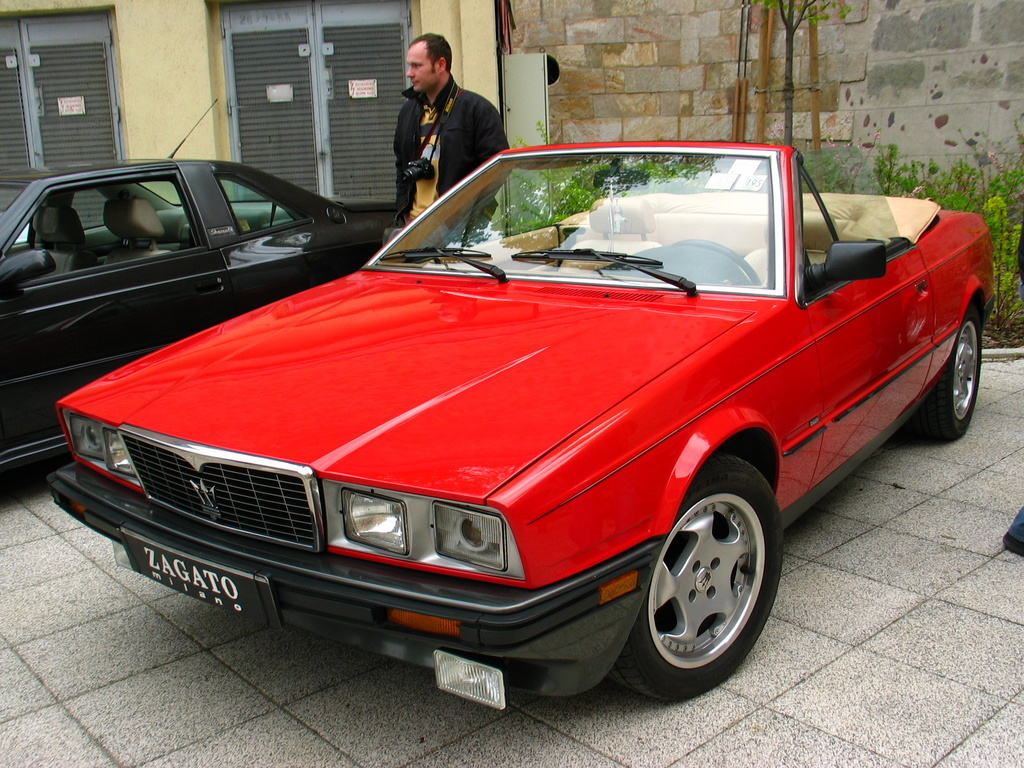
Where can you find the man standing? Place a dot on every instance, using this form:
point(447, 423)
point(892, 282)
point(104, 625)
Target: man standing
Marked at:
point(443, 132)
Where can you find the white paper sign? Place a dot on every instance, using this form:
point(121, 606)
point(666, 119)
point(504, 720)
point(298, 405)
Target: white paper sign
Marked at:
point(71, 105)
point(280, 93)
point(362, 89)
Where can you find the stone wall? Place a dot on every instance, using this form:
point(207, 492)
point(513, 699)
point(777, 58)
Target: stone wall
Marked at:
point(936, 77)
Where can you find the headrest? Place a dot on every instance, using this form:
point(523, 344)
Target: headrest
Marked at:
point(623, 216)
point(132, 218)
point(58, 224)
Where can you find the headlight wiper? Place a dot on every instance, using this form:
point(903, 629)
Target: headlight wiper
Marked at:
point(433, 253)
point(639, 263)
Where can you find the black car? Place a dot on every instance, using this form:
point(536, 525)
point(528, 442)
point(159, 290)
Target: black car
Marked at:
point(100, 266)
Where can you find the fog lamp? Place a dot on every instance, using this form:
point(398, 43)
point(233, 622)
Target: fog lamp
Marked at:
point(375, 521)
point(471, 680)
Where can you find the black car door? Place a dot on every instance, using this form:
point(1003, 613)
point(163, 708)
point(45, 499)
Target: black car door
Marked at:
point(64, 329)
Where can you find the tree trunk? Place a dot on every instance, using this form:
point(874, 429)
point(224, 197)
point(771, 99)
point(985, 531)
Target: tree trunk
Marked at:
point(788, 88)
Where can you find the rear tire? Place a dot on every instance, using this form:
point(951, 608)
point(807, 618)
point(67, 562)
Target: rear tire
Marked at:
point(946, 411)
point(713, 586)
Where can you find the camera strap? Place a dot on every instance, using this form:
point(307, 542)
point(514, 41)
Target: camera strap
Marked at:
point(439, 121)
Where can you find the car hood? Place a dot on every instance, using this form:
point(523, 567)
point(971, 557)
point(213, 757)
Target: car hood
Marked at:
point(436, 385)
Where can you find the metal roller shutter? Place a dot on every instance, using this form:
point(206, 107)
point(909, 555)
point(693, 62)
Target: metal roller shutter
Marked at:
point(362, 129)
point(72, 90)
point(13, 141)
point(277, 136)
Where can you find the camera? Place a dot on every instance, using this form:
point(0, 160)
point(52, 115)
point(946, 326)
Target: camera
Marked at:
point(418, 169)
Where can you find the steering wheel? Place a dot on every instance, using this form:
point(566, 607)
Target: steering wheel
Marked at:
point(705, 261)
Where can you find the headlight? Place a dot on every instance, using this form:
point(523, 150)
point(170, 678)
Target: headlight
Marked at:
point(100, 444)
point(470, 536)
point(117, 455)
point(376, 521)
point(86, 437)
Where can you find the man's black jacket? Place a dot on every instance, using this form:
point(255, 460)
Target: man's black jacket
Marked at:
point(471, 134)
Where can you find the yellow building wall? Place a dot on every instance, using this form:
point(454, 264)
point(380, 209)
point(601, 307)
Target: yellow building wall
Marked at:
point(169, 64)
point(469, 27)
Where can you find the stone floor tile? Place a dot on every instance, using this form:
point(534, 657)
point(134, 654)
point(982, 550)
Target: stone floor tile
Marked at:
point(161, 710)
point(994, 589)
point(271, 741)
point(917, 473)
point(101, 552)
point(209, 625)
point(997, 744)
point(21, 691)
point(390, 716)
point(991, 490)
point(49, 738)
point(637, 731)
point(784, 655)
point(39, 610)
point(869, 501)
point(535, 746)
point(965, 526)
point(18, 525)
point(768, 738)
point(840, 605)
point(288, 664)
point(100, 652)
point(904, 561)
point(1012, 465)
point(37, 561)
point(963, 645)
point(818, 532)
point(904, 714)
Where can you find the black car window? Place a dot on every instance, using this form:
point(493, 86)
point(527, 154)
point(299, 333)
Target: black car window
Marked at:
point(96, 225)
point(253, 210)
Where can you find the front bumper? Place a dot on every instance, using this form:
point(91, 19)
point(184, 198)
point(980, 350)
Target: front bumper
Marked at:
point(557, 640)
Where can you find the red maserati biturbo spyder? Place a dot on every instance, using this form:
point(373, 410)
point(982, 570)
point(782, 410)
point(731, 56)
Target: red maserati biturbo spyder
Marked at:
point(554, 430)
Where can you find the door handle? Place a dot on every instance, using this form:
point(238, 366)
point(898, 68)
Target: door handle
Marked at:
point(211, 285)
point(922, 287)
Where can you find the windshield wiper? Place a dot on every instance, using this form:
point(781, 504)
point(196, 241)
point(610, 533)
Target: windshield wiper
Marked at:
point(640, 263)
point(433, 253)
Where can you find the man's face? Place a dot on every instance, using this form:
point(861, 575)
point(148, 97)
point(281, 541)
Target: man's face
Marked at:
point(427, 77)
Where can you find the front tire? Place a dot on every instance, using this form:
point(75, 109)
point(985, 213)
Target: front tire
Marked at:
point(713, 586)
point(946, 411)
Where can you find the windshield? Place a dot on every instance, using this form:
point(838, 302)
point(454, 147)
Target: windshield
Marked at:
point(8, 193)
point(704, 217)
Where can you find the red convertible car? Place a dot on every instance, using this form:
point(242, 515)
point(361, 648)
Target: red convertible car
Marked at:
point(555, 429)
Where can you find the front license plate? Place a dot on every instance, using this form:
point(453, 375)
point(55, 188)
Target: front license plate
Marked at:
point(233, 590)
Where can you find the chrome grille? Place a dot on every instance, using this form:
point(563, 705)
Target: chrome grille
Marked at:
point(266, 503)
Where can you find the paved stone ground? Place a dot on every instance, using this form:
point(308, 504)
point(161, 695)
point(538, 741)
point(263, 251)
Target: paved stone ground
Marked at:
point(897, 640)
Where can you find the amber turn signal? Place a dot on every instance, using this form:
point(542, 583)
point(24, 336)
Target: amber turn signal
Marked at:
point(617, 587)
point(424, 623)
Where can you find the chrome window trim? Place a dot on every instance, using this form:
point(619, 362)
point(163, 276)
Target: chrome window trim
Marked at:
point(774, 158)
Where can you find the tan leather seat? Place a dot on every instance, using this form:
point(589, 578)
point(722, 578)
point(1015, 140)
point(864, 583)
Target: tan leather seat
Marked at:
point(132, 220)
point(624, 224)
point(59, 229)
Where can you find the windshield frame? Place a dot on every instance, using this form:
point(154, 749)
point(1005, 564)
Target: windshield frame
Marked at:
point(776, 282)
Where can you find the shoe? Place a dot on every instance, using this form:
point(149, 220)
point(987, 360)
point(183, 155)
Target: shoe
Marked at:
point(1013, 544)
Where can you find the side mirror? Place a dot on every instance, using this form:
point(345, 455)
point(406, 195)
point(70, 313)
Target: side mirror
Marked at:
point(25, 265)
point(844, 261)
